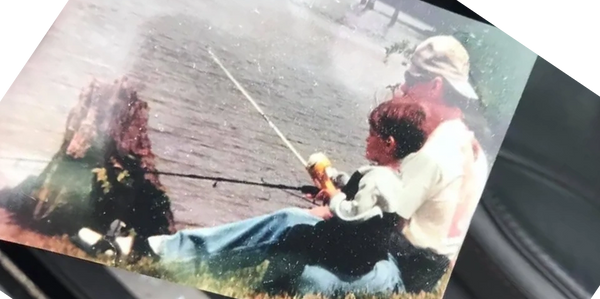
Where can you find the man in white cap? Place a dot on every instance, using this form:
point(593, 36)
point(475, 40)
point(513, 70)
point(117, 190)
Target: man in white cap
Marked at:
point(437, 59)
point(439, 70)
point(445, 179)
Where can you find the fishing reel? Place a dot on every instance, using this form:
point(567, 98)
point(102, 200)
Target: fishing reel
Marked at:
point(323, 175)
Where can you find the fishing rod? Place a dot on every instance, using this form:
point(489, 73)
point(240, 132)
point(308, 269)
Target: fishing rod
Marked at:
point(318, 165)
point(305, 189)
point(258, 109)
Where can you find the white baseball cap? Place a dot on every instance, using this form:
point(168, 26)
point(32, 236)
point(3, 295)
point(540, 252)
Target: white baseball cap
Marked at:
point(444, 56)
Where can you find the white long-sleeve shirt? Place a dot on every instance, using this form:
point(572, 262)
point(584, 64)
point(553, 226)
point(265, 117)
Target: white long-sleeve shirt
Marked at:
point(427, 191)
point(376, 195)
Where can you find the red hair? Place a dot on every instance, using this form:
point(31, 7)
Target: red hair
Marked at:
point(404, 121)
point(435, 113)
point(409, 121)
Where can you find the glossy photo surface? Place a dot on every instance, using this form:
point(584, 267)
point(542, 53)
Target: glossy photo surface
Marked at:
point(259, 148)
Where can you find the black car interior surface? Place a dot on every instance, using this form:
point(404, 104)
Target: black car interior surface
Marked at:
point(533, 236)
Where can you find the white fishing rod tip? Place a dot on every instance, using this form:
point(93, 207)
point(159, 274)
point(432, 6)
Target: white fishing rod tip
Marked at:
point(210, 51)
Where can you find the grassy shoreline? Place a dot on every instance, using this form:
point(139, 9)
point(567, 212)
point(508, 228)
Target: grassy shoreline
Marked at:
point(241, 283)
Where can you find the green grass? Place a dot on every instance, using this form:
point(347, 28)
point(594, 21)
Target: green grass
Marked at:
point(241, 283)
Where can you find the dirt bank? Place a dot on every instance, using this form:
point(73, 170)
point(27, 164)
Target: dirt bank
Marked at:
point(12, 230)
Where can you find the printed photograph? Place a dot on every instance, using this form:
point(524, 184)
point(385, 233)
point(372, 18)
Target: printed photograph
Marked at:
point(259, 148)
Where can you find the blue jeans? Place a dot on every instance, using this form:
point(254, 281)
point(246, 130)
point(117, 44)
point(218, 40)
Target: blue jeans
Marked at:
point(384, 278)
point(245, 244)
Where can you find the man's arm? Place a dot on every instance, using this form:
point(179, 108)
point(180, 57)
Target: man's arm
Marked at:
point(364, 204)
point(382, 190)
point(419, 175)
point(370, 199)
